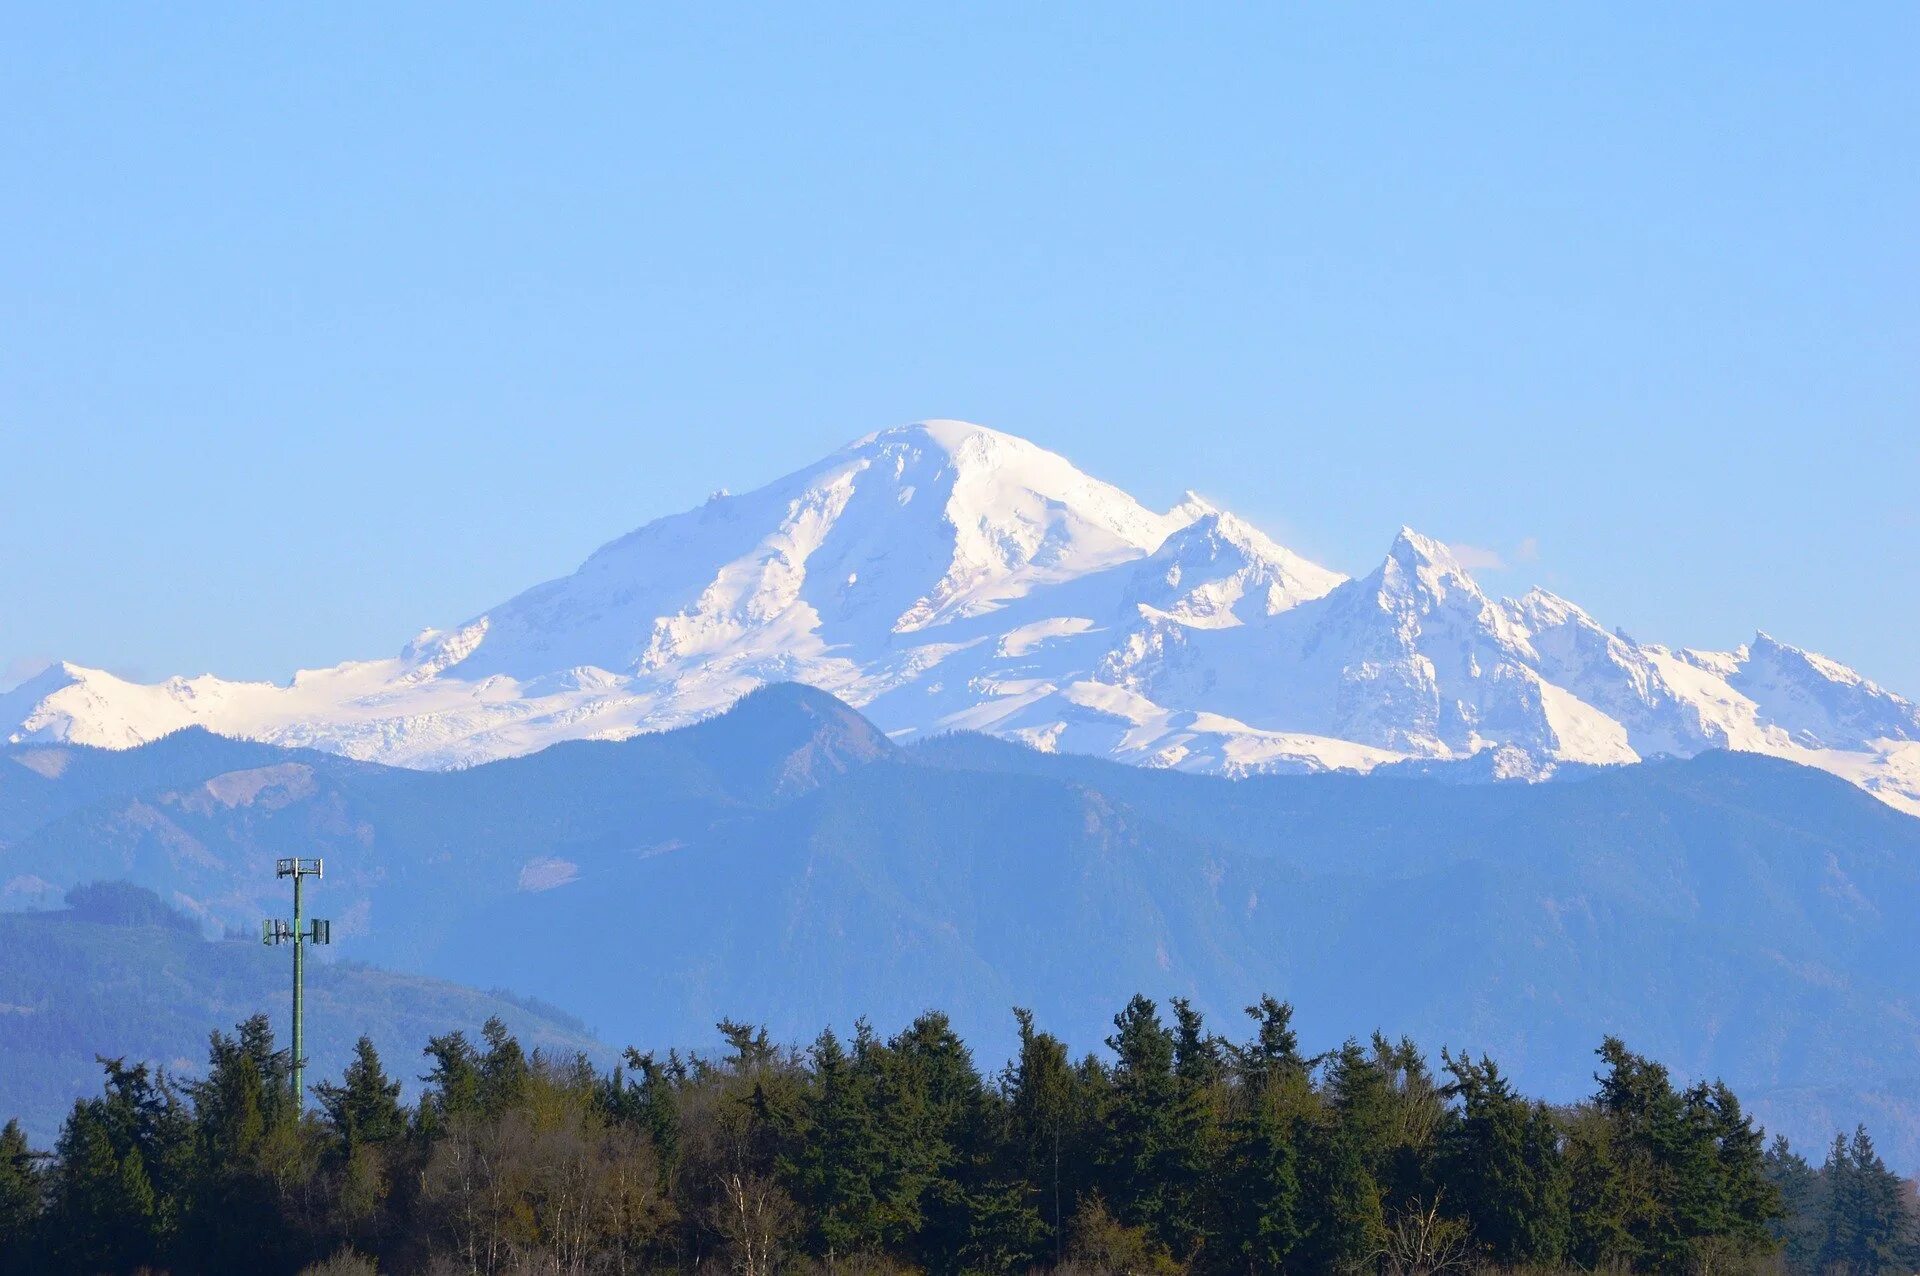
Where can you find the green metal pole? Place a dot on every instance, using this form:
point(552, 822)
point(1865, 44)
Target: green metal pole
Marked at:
point(278, 932)
point(299, 989)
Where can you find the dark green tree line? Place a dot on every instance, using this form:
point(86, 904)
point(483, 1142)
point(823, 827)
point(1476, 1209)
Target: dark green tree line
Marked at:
point(1178, 1150)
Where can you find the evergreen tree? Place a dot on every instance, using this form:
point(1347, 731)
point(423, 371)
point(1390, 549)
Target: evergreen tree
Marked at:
point(1004, 1233)
point(1800, 1229)
point(932, 1107)
point(244, 1093)
point(1194, 1204)
point(1745, 1201)
point(243, 1117)
point(453, 1082)
point(1601, 1193)
point(749, 1047)
point(114, 1199)
point(1199, 1059)
point(1274, 1052)
point(1361, 1093)
point(1655, 1174)
point(365, 1107)
point(1502, 1168)
point(365, 1122)
point(1043, 1139)
point(1142, 1122)
point(1345, 1222)
point(504, 1071)
point(834, 1154)
point(94, 1221)
point(1262, 1215)
point(21, 1190)
point(1687, 1175)
point(1414, 1111)
point(648, 1103)
point(1867, 1226)
point(1550, 1231)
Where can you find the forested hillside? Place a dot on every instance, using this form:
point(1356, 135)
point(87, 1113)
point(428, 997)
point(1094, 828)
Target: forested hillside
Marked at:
point(117, 969)
point(1176, 1149)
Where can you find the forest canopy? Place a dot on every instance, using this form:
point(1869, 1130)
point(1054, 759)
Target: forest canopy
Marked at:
point(1176, 1150)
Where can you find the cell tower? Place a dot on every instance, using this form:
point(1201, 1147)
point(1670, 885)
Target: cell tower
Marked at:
point(299, 934)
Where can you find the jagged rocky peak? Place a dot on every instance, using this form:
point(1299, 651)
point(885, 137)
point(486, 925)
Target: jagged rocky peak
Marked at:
point(1192, 506)
point(1422, 584)
point(1572, 645)
point(1219, 569)
point(1766, 651)
point(1821, 702)
point(1421, 563)
point(1544, 609)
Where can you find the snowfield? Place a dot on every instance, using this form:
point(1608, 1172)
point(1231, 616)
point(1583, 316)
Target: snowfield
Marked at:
point(943, 575)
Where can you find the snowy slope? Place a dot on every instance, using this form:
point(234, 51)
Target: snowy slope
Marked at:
point(943, 575)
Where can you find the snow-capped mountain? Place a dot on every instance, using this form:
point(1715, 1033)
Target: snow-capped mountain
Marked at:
point(944, 575)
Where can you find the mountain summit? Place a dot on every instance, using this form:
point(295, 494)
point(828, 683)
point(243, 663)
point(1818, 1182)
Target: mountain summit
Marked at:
point(944, 575)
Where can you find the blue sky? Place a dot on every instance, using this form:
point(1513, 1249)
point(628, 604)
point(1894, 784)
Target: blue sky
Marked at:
point(323, 325)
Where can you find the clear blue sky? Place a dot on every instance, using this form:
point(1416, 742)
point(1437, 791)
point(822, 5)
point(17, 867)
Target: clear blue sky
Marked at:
point(321, 324)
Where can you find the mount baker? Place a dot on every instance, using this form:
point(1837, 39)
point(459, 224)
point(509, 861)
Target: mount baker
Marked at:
point(946, 576)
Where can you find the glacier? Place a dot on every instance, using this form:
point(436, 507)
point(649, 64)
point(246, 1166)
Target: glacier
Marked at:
point(945, 576)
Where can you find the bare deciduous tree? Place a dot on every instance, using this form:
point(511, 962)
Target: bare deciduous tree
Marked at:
point(754, 1218)
point(1420, 1241)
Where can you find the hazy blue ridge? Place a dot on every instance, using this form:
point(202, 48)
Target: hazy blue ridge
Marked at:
point(78, 983)
point(1731, 914)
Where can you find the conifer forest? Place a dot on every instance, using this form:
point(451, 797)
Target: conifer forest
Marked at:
point(1178, 1149)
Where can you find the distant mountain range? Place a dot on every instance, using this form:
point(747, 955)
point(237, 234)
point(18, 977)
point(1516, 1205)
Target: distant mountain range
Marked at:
point(945, 576)
point(790, 862)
